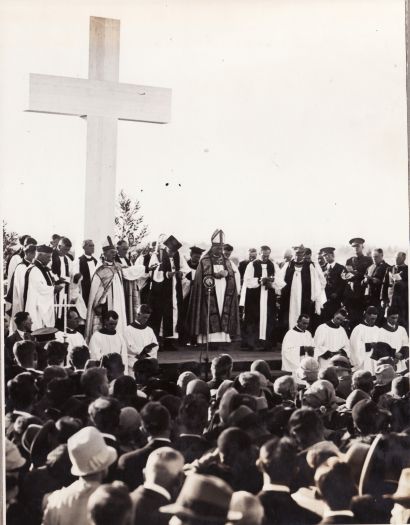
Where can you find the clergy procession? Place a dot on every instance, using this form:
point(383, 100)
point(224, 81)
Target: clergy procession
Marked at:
point(99, 430)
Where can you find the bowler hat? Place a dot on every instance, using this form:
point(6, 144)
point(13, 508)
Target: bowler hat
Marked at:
point(203, 497)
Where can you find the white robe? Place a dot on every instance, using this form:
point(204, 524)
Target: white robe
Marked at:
point(250, 281)
point(328, 338)
point(362, 334)
point(103, 344)
point(396, 340)
point(136, 340)
point(40, 300)
point(317, 294)
point(14, 261)
point(159, 277)
point(67, 276)
point(18, 292)
point(291, 344)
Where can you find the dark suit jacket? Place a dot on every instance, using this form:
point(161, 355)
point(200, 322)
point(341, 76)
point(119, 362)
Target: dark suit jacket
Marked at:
point(9, 343)
point(192, 447)
point(334, 282)
point(338, 519)
point(281, 509)
point(132, 464)
point(146, 504)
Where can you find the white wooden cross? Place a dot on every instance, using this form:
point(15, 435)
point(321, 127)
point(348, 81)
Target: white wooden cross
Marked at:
point(102, 100)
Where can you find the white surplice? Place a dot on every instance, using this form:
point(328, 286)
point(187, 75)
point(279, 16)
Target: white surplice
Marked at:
point(293, 340)
point(137, 339)
point(40, 300)
point(396, 340)
point(328, 338)
point(362, 334)
point(18, 292)
point(103, 344)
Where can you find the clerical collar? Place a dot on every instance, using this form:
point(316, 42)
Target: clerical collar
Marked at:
point(88, 258)
point(71, 331)
point(390, 328)
point(331, 324)
point(106, 331)
point(297, 329)
point(138, 325)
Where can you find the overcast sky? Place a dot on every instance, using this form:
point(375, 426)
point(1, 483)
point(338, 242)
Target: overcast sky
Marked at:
point(288, 119)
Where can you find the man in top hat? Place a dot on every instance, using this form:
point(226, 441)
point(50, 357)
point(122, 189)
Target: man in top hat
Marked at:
point(362, 341)
point(187, 284)
point(86, 265)
point(107, 290)
point(90, 458)
point(335, 285)
point(223, 313)
point(303, 291)
point(166, 292)
point(252, 255)
point(15, 294)
point(40, 288)
point(331, 339)
point(261, 282)
point(395, 291)
point(353, 274)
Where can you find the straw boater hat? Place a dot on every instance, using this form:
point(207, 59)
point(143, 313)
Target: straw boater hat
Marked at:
point(88, 452)
point(206, 498)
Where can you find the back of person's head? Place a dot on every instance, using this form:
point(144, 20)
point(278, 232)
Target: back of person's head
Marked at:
point(110, 503)
point(52, 372)
point(110, 314)
point(234, 444)
point(330, 374)
point(155, 419)
point(94, 382)
point(362, 379)
point(193, 413)
point(199, 387)
point(221, 366)
point(164, 467)
point(56, 353)
point(144, 369)
point(277, 459)
point(335, 482)
point(59, 390)
point(104, 413)
point(306, 427)
point(184, 378)
point(25, 353)
point(250, 383)
point(78, 356)
point(365, 415)
point(124, 388)
point(285, 387)
point(249, 506)
point(112, 362)
point(22, 390)
point(262, 367)
point(20, 318)
point(400, 386)
point(172, 404)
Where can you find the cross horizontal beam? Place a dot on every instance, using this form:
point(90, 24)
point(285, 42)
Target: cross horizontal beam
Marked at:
point(85, 97)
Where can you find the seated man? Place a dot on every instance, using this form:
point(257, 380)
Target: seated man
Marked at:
point(278, 461)
point(364, 336)
point(331, 339)
point(107, 340)
point(72, 337)
point(297, 343)
point(396, 336)
point(140, 338)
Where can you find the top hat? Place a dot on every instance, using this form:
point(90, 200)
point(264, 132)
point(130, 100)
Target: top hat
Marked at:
point(204, 497)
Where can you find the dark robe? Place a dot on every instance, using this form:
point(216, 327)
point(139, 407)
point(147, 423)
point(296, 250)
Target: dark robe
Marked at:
point(400, 292)
point(252, 304)
point(226, 321)
point(184, 335)
point(85, 272)
point(131, 293)
point(161, 299)
point(146, 288)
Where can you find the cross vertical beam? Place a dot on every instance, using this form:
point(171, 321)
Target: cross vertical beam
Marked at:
point(100, 190)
